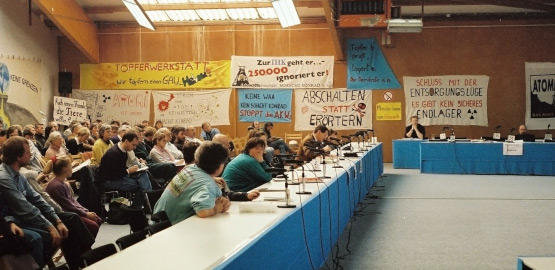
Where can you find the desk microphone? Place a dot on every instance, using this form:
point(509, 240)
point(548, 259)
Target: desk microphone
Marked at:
point(339, 140)
point(512, 130)
point(497, 128)
point(549, 125)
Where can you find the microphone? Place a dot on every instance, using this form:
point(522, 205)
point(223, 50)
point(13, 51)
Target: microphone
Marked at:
point(346, 137)
point(331, 144)
point(512, 130)
point(497, 128)
point(293, 161)
point(275, 170)
point(549, 125)
point(284, 156)
point(444, 128)
point(316, 150)
point(334, 139)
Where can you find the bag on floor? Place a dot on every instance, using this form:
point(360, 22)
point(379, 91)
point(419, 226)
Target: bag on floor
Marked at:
point(115, 215)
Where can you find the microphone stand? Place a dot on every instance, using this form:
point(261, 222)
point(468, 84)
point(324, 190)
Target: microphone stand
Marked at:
point(302, 188)
point(291, 163)
point(323, 155)
point(287, 198)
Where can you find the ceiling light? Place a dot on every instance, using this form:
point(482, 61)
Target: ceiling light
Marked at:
point(404, 25)
point(286, 13)
point(139, 14)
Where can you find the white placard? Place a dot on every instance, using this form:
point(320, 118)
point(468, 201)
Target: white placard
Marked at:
point(548, 137)
point(496, 136)
point(67, 110)
point(442, 136)
point(512, 149)
point(511, 138)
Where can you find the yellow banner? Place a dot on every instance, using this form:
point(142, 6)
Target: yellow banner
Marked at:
point(388, 111)
point(156, 75)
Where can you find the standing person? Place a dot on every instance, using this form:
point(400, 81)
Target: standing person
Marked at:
point(193, 191)
point(116, 175)
point(275, 142)
point(415, 130)
point(62, 194)
point(524, 135)
point(208, 132)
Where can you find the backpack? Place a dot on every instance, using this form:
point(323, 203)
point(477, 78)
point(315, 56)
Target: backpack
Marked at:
point(115, 215)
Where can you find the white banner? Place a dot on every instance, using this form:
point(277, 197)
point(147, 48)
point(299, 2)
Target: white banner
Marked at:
point(132, 106)
point(20, 90)
point(282, 72)
point(67, 110)
point(540, 95)
point(184, 108)
point(339, 109)
point(447, 100)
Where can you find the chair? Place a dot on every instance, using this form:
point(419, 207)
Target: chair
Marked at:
point(94, 255)
point(60, 267)
point(131, 239)
point(151, 198)
point(157, 227)
point(293, 140)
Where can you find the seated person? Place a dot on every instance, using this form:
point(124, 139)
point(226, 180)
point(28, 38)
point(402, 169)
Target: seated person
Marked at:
point(61, 193)
point(193, 190)
point(305, 153)
point(268, 151)
point(119, 133)
point(102, 144)
point(524, 135)
point(159, 153)
point(247, 170)
point(55, 145)
point(189, 149)
point(170, 147)
point(116, 175)
point(148, 138)
point(20, 249)
point(79, 144)
point(275, 142)
point(142, 150)
point(208, 132)
point(178, 136)
point(415, 130)
point(255, 126)
point(190, 135)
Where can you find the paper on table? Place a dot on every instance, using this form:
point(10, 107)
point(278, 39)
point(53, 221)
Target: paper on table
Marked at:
point(83, 164)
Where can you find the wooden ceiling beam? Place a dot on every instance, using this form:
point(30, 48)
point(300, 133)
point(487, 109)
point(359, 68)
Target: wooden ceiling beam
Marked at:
point(76, 25)
point(336, 34)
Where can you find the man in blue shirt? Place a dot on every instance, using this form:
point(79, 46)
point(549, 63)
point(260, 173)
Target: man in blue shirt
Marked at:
point(208, 132)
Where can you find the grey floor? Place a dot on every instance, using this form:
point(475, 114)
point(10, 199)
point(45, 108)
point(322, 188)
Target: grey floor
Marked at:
point(428, 221)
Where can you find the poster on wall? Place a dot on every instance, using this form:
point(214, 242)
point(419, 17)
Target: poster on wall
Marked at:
point(447, 100)
point(192, 108)
point(156, 75)
point(20, 90)
point(339, 109)
point(388, 111)
point(282, 72)
point(367, 67)
point(132, 106)
point(540, 95)
point(265, 105)
point(67, 110)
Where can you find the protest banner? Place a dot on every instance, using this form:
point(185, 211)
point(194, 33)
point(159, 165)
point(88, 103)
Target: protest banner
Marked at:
point(67, 110)
point(132, 106)
point(264, 105)
point(367, 67)
point(339, 109)
point(282, 72)
point(447, 100)
point(186, 108)
point(540, 95)
point(156, 75)
point(388, 111)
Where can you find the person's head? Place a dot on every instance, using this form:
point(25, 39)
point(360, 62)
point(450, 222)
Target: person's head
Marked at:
point(123, 129)
point(14, 130)
point(160, 139)
point(158, 124)
point(114, 129)
point(145, 123)
point(178, 133)
point(190, 132)
point(259, 134)
point(105, 132)
point(16, 150)
point(414, 120)
point(320, 133)
point(268, 126)
point(149, 133)
point(256, 125)
point(140, 132)
point(39, 128)
point(223, 139)
point(86, 123)
point(167, 133)
point(29, 131)
point(255, 146)
point(53, 126)
point(115, 123)
point(211, 157)
point(188, 150)
point(522, 129)
point(60, 166)
point(94, 130)
point(83, 134)
point(3, 136)
point(206, 127)
point(55, 138)
point(129, 140)
point(75, 128)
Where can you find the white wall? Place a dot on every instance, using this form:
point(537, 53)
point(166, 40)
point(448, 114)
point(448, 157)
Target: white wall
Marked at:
point(19, 39)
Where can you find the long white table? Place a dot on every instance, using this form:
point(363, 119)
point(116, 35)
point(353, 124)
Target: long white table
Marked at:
point(295, 238)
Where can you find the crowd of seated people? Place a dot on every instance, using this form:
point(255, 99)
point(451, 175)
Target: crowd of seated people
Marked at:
point(40, 207)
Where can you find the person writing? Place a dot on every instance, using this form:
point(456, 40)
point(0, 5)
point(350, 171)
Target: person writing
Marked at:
point(415, 130)
point(312, 141)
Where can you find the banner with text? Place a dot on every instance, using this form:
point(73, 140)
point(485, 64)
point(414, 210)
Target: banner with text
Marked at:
point(282, 72)
point(388, 111)
point(185, 108)
point(540, 95)
point(447, 100)
point(265, 105)
point(339, 109)
point(132, 106)
point(367, 67)
point(67, 110)
point(20, 87)
point(156, 75)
